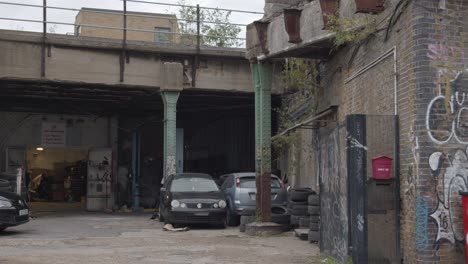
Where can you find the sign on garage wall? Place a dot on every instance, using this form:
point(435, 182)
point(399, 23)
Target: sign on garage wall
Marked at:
point(53, 134)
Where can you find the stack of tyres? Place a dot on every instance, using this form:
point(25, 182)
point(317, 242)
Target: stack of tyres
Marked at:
point(313, 209)
point(5, 185)
point(298, 207)
point(279, 215)
point(11, 178)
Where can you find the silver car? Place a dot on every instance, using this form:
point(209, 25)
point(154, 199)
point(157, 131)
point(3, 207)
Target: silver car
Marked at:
point(240, 192)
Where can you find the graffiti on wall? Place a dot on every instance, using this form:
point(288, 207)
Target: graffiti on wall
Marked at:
point(422, 239)
point(451, 179)
point(447, 126)
point(333, 196)
point(447, 113)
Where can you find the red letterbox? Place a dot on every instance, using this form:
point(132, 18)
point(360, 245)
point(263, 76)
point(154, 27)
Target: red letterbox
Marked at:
point(381, 168)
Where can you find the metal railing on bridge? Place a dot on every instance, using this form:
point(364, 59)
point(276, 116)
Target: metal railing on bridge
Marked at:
point(180, 24)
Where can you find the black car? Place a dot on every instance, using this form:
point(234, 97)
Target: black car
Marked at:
point(192, 198)
point(13, 210)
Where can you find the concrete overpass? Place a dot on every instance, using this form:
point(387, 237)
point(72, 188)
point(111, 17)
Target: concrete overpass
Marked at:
point(98, 61)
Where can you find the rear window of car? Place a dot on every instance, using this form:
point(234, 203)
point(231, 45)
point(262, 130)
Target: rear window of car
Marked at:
point(193, 184)
point(249, 182)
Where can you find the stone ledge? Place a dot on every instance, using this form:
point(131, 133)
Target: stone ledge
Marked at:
point(263, 229)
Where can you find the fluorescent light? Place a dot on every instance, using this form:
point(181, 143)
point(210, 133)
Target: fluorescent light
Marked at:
point(39, 149)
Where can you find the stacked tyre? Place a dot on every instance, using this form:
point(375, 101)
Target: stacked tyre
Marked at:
point(279, 215)
point(5, 185)
point(11, 179)
point(313, 209)
point(299, 208)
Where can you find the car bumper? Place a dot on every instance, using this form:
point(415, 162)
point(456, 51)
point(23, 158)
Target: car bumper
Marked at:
point(12, 217)
point(213, 216)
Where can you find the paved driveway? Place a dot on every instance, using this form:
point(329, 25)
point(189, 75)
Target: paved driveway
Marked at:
point(124, 238)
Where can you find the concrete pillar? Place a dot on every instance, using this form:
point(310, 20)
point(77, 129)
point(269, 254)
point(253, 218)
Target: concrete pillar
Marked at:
point(171, 85)
point(262, 78)
point(170, 131)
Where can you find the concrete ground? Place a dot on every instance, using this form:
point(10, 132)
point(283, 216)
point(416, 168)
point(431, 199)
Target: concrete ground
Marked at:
point(80, 237)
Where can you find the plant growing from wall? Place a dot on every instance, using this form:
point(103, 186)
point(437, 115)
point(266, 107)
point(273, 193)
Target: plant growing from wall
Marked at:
point(353, 30)
point(299, 81)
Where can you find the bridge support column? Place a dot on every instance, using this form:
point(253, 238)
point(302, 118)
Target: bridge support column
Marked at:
point(171, 85)
point(170, 127)
point(262, 79)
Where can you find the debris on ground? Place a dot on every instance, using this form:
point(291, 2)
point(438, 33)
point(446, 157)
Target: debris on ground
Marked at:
point(169, 227)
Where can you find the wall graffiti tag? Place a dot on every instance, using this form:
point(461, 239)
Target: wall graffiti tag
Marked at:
point(334, 218)
point(422, 239)
point(454, 107)
point(447, 123)
point(448, 213)
point(440, 52)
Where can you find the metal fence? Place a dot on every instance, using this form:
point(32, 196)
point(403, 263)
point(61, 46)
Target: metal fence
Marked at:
point(180, 24)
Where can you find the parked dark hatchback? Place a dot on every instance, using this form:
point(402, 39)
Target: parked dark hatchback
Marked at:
point(190, 198)
point(13, 210)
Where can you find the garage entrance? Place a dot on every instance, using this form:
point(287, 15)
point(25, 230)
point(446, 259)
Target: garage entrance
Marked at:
point(50, 130)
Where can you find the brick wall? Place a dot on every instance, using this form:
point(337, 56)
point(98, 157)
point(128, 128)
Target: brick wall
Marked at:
point(431, 42)
point(440, 37)
point(115, 20)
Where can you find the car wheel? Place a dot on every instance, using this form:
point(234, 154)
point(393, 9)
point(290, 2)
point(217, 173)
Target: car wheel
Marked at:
point(160, 216)
point(231, 218)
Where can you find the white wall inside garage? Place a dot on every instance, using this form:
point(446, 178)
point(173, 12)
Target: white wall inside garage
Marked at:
point(83, 132)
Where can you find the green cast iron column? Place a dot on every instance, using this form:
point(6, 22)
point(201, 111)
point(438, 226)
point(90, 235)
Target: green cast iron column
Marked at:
point(170, 113)
point(257, 89)
point(262, 78)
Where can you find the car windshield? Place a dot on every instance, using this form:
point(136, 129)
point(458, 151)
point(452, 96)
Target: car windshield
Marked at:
point(249, 182)
point(193, 184)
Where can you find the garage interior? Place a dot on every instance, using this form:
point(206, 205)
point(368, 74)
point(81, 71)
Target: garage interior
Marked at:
point(215, 135)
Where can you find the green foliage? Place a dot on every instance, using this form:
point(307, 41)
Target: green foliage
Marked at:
point(299, 79)
point(216, 28)
point(352, 30)
point(297, 76)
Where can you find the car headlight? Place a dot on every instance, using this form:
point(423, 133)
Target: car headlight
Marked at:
point(182, 205)
point(215, 205)
point(222, 204)
point(5, 203)
point(175, 203)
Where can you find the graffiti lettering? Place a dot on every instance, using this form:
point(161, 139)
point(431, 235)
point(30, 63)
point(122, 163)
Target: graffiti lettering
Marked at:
point(454, 109)
point(422, 240)
point(448, 212)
